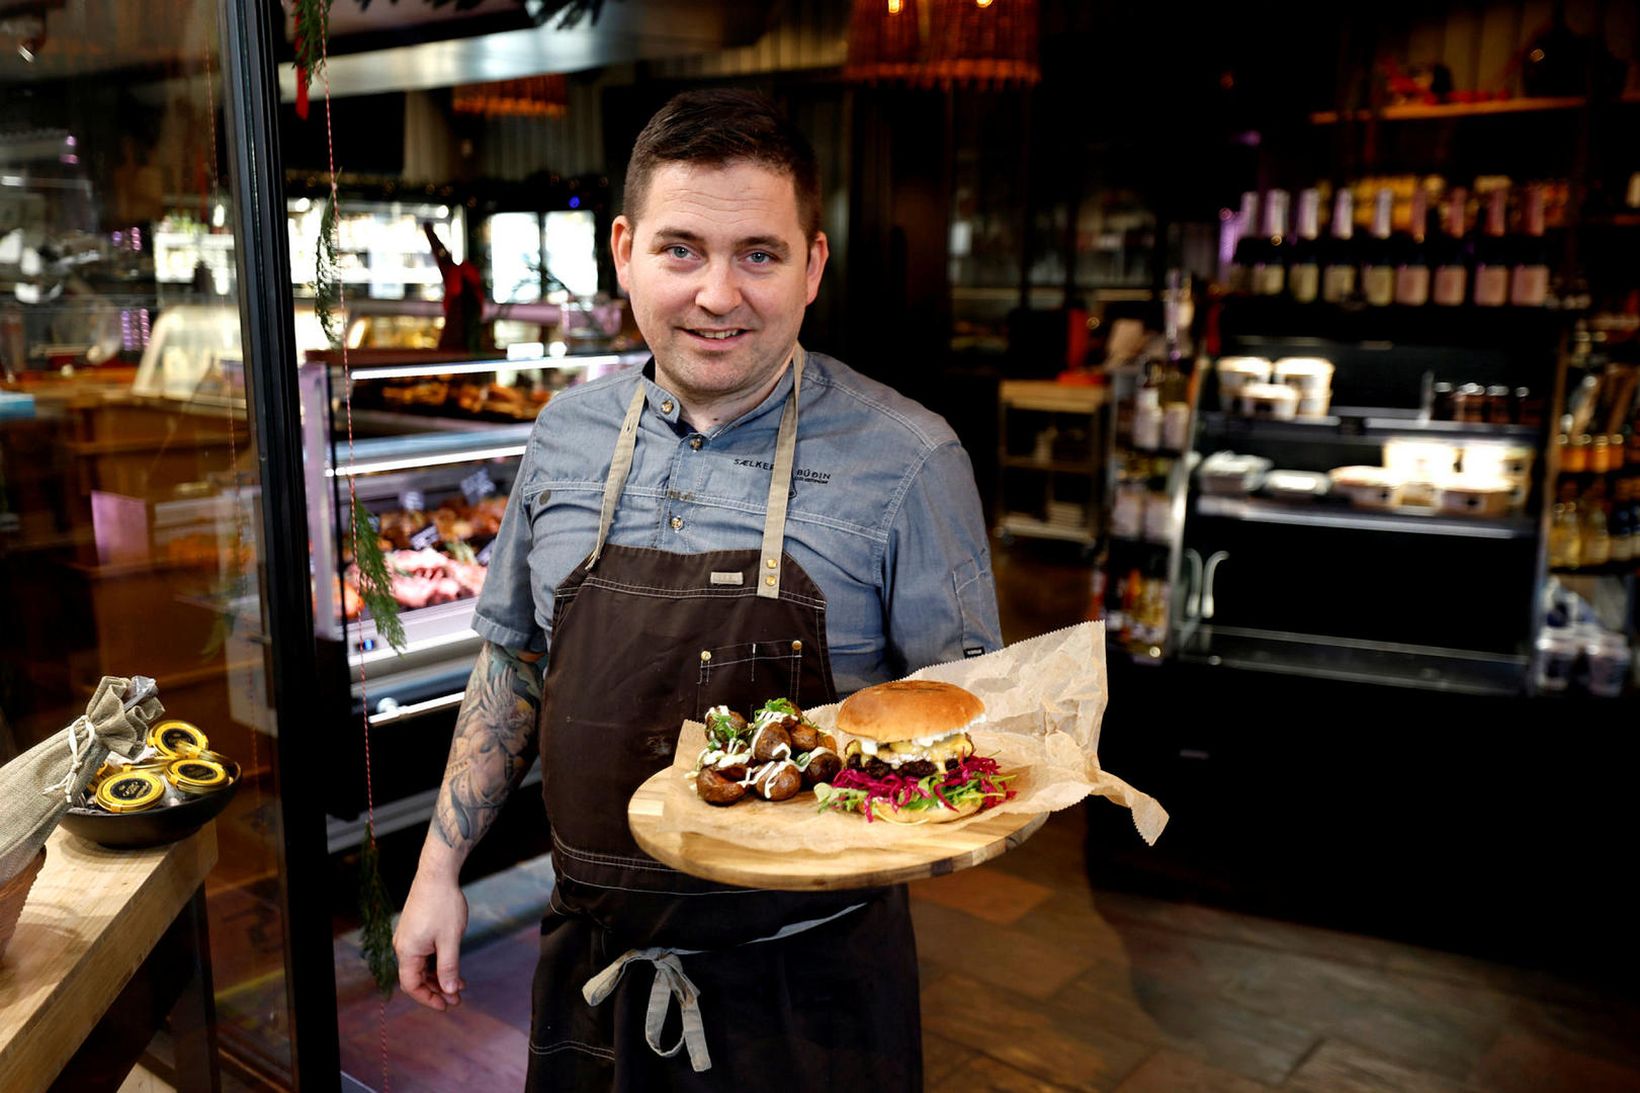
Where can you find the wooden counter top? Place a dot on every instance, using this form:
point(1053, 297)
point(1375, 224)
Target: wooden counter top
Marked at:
point(91, 919)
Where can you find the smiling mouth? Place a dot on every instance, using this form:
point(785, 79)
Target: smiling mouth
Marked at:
point(716, 335)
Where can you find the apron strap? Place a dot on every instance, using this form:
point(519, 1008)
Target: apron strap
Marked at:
point(672, 983)
point(780, 487)
point(780, 480)
point(620, 465)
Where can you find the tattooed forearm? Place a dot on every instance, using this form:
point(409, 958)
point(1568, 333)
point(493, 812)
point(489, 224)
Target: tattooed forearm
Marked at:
point(495, 742)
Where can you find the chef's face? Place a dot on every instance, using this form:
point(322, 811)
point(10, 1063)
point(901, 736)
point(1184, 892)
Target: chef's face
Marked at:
point(719, 272)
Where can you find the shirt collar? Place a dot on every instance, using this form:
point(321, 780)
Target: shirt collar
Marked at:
point(665, 404)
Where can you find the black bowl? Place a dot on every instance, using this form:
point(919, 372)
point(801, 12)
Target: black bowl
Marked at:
point(154, 827)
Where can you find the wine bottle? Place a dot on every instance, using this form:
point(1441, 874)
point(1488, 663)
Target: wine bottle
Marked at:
point(1241, 260)
point(1492, 254)
point(1338, 269)
point(1451, 281)
point(1529, 279)
point(1269, 269)
point(1412, 255)
point(1304, 267)
point(1377, 263)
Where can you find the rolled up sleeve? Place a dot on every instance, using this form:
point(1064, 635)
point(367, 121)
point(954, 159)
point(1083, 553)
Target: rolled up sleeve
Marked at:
point(939, 596)
point(505, 613)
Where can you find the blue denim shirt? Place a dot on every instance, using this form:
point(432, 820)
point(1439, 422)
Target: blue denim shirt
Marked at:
point(884, 514)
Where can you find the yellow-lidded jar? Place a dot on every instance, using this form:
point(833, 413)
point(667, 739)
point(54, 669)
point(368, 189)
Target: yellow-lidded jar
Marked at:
point(196, 776)
point(130, 791)
point(177, 739)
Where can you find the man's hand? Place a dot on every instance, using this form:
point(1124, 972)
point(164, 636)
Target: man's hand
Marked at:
point(493, 748)
point(434, 918)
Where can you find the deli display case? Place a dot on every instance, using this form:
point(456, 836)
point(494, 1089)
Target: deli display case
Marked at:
point(434, 448)
point(1386, 523)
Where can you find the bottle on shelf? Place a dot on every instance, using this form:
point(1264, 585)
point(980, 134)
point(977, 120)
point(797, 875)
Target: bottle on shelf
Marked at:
point(1412, 255)
point(1595, 540)
point(1566, 531)
point(1240, 276)
point(1269, 268)
point(1338, 258)
point(1622, 528)
point(1450, 283)
point(1492, 253)
point(1304, 267)
point(1377, 258)
point(1529, 277)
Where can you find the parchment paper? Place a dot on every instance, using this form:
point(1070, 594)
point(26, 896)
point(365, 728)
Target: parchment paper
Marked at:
point(1044, 699)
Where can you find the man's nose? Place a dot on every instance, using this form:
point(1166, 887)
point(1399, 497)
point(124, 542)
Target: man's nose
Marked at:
point(717, 293)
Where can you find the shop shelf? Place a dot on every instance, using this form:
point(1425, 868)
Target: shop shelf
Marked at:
point(1017, 524)
point(1354, 660)
point(378, 454)
point(1061, 466)
point(1364, 423)
point(1252, 321)
point(1328, 516)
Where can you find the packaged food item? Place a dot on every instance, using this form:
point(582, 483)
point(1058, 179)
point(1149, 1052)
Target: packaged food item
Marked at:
point(1473, 495)
point(1309, 376)
point(1608, 657)
point(1236, 372)
point(177, 739)
point(1296, 485)
point(130, 791)
point(1227, 474)
point(195, 777)
point(1369, 487)
point(1553, 659)
point(1268, 400)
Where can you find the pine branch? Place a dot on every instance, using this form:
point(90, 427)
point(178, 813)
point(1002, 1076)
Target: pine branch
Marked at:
point(376, 918)
point(313, 31)
point(375, 582)
point(327, 289)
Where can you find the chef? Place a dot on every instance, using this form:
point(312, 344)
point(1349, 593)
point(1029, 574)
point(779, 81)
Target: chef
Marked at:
point(741, 520)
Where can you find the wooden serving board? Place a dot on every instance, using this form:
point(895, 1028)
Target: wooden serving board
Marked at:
point(930, 850)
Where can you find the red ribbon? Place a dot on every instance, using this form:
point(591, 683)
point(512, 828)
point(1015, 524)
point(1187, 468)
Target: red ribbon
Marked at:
point(301, 71)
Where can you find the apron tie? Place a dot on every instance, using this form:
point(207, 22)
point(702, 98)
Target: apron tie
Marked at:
point(671, 982)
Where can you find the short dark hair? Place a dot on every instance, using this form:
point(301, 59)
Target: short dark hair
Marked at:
point(715, 128)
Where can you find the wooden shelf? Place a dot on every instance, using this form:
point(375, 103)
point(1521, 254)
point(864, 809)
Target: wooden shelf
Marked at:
point(1050, 396)
point(1443, 111)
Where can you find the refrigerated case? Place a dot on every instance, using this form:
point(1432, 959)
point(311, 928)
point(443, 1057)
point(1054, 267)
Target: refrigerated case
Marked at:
point(435, 447)
point(1388, 589)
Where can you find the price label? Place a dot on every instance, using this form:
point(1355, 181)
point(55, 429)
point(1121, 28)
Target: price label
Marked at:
point(413, 501)
point(477, 486)
point(424, 538)
point(375, 522)
point(484, 555)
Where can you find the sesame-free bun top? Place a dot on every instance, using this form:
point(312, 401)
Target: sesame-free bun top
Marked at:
point(907, 709)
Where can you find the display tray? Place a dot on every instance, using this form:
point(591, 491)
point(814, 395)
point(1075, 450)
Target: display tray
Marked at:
point(931, 850)
point(156, 826)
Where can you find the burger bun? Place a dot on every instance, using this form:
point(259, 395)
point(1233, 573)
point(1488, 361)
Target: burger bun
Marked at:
point(907, 709)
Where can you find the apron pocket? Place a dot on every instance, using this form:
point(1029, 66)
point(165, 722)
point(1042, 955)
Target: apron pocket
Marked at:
point(748, 674)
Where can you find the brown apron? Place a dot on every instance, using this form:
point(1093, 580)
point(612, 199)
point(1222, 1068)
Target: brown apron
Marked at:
point(750, 988)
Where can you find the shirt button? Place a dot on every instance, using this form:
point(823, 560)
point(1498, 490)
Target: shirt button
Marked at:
point(695, 442)
point(666, 407)
point(677, 523)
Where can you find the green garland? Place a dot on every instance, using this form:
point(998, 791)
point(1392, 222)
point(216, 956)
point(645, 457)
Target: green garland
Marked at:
point(376, 918)
point(375, 582)
point(327, 289)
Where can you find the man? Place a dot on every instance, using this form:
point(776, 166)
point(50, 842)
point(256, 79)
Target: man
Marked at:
point(740, 521)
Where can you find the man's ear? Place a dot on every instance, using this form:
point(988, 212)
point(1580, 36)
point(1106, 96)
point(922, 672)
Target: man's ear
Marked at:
point(620, 246)
point(819, 252)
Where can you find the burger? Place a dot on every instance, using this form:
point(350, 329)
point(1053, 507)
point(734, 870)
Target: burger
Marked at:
point(911, 760)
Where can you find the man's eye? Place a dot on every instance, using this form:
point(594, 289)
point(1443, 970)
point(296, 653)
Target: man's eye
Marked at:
point(677, 251)
point(760, 257)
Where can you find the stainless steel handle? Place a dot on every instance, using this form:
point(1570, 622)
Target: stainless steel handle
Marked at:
point(388, 714)
point(1212, 569)
point(1193, 589)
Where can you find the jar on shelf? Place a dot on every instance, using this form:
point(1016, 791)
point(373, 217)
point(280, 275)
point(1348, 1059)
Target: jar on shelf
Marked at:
point(1469, 404)
point(1600, 454)
point(1499, 407)
point(1575, 459)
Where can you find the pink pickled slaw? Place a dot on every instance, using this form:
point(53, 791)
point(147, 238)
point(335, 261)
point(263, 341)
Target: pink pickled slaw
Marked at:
point(973, 775)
